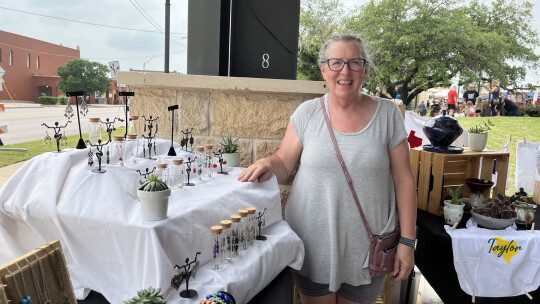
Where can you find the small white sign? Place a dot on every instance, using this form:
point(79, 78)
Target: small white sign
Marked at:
point(114, 67)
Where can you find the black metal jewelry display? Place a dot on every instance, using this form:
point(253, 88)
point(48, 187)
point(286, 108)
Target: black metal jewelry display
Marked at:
point(187, 137)
point(145, 175)
point(149, 123)
point(171, 149)
point(80, 144)
point(57, 132)
point(185, 272)
point(261, 221)
point(109, 126)
point(126, 107)
point(220, 157)
point(188, 170)
point(99, 154)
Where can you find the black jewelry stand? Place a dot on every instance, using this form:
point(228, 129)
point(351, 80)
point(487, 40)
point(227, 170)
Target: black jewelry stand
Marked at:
point(109, 126)
point(261, 221)
point(126, 107)
point(57, 132)
point(188, 170)
point(151, 137)
point(171, 149)
point(99, 154)
point(220, 157)
point(80, 144)
point(187, 137)
point(185, 272)
point(145, 175)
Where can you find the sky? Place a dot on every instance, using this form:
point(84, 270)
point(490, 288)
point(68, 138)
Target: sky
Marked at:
point(134, 34)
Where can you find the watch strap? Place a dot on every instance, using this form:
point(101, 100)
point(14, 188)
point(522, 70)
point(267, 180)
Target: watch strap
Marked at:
point(407, 242)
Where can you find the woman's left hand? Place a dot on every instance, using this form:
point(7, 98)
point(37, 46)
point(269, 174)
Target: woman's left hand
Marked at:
point(403, 263)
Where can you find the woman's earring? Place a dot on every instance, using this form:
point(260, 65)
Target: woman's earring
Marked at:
point(324, 85)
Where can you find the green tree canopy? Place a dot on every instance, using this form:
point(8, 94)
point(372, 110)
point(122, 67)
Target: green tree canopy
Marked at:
point(83, 75)
point(420, 44)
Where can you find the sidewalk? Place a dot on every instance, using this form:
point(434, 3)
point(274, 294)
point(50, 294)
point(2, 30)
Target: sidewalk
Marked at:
point(7, 171)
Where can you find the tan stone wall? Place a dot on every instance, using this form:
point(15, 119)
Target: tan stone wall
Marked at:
point(254, 110)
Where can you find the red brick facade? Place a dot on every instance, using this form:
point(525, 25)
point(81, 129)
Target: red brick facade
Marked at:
point(30, 66)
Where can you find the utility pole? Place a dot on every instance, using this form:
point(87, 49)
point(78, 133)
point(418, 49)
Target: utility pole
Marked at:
point(167, 32)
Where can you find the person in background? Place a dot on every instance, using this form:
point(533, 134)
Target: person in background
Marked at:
point(452, 99)
point(495, 97)
point(397, 100)
point(486, 108)
point(422, 108)
point(460, 111)
point(469, 109)
point(371, 135)
point(510, 107)
point(471, 94)
point(377, 94)
point(478, 107)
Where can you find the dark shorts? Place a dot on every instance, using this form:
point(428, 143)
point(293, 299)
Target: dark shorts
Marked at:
point(451, 106)
point(478, 111)
point(359, 294)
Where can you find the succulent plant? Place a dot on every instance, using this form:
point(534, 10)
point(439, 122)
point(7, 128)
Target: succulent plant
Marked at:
point(481, 128)
point(153, 183)
point(228, 145)
point(500, 207)
point(149, 295)
point(456, 200)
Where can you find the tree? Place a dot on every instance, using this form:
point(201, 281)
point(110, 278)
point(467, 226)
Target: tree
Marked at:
point(83, 75)
point(420, 44)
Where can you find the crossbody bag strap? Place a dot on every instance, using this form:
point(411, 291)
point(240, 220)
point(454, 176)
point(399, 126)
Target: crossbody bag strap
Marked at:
point(343, 167)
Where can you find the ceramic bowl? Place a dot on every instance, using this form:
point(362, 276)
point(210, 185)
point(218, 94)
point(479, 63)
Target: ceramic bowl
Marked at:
point(477, 184)
point(492, 223)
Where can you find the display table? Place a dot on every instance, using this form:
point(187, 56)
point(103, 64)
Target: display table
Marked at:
point(435, 260)
point(109, 248)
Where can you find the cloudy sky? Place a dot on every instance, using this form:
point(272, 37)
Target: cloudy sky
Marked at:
point(131, 31)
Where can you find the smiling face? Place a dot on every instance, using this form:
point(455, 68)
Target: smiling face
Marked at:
point(343, 84)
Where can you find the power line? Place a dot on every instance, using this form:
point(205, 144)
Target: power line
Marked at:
point(84, 22)
point(144, 14)
point(132, 58)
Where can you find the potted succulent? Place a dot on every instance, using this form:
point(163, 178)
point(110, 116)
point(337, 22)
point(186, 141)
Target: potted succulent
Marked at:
point(478, 136)
point(229, 147)
point(148, 295)
point(498, 213)
point(453, 209)
point(154, 197)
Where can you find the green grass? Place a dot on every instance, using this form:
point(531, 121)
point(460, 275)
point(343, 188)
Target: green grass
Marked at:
point(517, 127)
point(37, 147)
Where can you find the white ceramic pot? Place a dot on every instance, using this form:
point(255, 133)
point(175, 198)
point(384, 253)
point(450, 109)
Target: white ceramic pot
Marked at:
point(232, 159)
point(154, 204)
point(525, 213)
point(477, 141)
point(453, 213)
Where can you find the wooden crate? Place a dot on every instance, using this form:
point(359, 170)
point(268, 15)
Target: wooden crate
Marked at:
point(442, 170)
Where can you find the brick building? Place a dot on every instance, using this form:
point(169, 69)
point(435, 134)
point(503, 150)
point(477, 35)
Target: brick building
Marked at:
point(30, 66)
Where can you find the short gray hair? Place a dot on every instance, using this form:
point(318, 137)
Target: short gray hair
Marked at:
point(344, 38)
point(453, 86)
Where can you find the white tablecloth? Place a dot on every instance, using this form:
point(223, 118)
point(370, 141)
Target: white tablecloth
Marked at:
point(109, 248)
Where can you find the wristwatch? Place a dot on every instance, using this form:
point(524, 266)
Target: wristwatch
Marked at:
point(408, 242)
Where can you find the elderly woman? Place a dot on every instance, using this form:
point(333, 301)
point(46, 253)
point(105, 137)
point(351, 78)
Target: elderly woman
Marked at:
point(452, 99)
point(371, 136)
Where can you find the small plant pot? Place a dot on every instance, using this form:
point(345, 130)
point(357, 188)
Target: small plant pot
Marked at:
point(477, 141)
point(231, 159)
point(154, 204)
point(453, 213)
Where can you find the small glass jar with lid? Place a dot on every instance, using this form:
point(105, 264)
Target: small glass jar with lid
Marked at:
point(199, 162)
point(209, 160)
point(94, 130)
point(242, 232)
point(226, 241)
point(217, 263)
point(177, 175)
point(235, 237)
point(134, 126)
point(118, 152)
point(162, 172)
point(132, 148)
point(251, 225)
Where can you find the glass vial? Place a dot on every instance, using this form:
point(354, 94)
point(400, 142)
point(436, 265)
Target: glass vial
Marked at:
point(177, 173)
point(162, 173)
point(243, 229)
point(209, 160)
point(94, 130)
point(132, 148)
point(118, 152)
point(217, 264)
point(199, 162)
point(134, 126)
point(251, 225)
point(226, 241)
point(235, 227)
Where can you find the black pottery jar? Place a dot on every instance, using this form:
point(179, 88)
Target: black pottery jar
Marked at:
point(442, 131)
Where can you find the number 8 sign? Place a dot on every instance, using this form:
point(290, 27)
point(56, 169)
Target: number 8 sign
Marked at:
point(265, 61)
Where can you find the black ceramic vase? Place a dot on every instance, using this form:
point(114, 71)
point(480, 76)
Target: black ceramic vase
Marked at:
point(441, 131)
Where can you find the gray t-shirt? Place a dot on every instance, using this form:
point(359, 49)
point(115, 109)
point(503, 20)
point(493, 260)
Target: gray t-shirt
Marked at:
point(321, 209)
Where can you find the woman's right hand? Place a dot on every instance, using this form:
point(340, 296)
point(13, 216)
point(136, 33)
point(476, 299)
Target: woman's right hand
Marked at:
point(261, 170)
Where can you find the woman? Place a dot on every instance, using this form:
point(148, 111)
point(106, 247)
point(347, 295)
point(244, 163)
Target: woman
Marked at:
point(478, 107)
point(371, 135)
point(452, 99)
point(495, 98)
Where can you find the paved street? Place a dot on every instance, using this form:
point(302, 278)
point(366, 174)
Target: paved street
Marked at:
point(24, 124)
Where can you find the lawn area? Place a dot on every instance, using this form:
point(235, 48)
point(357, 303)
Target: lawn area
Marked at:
point(37, 147)
point(505, 126)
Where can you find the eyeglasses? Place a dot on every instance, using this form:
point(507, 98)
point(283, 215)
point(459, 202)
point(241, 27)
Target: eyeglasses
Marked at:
point(355, 65)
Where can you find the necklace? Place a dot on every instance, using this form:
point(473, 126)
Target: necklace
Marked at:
point(26, 299)
point(44, 279)
point(36, 283)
